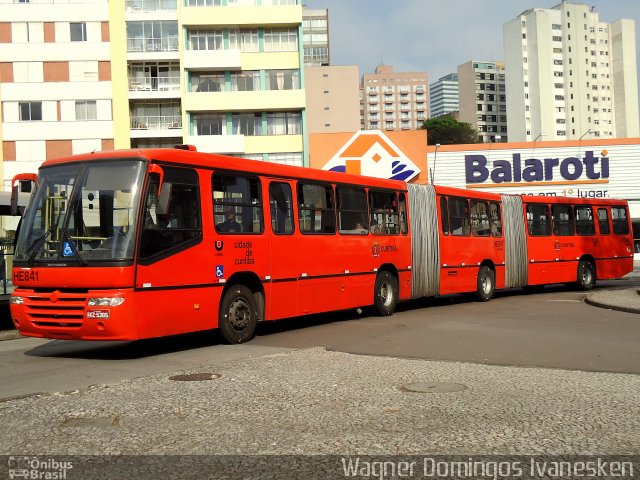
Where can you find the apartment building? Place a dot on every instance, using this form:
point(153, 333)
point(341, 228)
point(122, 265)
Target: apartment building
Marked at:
point(83, 75)
point(55, 82)
point(315, 37)
point(443, 96)
point(570, 75)
point(483, 99)
point(394, 100)
point(332, 100)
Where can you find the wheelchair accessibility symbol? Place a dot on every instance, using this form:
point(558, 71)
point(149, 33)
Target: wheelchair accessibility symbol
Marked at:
point(67, 251)
point(219, 271)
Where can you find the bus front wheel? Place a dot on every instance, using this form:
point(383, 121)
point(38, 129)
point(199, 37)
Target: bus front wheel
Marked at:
point(586, 275)
point(385, 296)
point(238, 315)
point(486, 284)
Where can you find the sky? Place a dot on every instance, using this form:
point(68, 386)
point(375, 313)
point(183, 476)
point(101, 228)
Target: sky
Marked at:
point(435, 35)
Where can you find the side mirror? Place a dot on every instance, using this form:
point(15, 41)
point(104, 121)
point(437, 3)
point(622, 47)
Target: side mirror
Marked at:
point(15, 189)
point(157, 169)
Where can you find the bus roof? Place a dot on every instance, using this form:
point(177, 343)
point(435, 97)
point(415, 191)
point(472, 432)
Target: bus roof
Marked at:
point(224, 162)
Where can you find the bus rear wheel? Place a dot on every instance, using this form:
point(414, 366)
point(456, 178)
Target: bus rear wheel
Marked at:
point(238, 315)
point(586, 275)
point(385, 295)
point(486, 284)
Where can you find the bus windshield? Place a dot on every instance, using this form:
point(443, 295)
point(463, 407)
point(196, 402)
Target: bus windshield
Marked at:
point(82, 212)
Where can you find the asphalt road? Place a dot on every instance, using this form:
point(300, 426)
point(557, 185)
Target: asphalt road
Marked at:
point(553, 329)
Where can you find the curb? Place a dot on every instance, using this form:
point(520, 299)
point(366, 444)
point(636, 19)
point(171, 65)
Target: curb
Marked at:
point(9, 335)
point(612, 306)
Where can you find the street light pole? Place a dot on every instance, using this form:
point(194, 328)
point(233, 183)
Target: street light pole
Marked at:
point(435, 158)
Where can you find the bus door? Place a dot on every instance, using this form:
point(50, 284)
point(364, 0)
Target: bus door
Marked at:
point(172, 263)
point(283, 250)
point(565, 247)
point(543, 247)
point(606, 242)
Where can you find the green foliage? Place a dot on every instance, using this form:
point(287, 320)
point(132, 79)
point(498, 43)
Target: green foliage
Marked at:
point(446, 130)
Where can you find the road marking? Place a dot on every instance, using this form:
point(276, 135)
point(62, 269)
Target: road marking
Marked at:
point(563, 300)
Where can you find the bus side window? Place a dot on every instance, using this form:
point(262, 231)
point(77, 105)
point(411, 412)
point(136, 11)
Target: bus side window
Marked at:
point(316, 209)
point(352, 211)
point(444, 215)
point(563, 224)
point(402, 208)
point(620, 221)
point(281, 208)
point(584, 221)
point(383, 208)
point(603, 221)
point(237, 204)
point(538, 220)
point(459, 217)
point(480, 218)
point(496, 219)
point(173, 220)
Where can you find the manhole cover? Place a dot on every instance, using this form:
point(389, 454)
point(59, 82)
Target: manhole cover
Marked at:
point(195, 377)
point(434, 387)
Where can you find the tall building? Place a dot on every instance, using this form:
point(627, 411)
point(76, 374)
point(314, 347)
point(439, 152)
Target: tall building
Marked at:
point(443, 96)
point(570, 76)
point(394, 101)
point(332, 100)
point(483, 99)
point(315, 37)
point(83, 75)
point(55, 82)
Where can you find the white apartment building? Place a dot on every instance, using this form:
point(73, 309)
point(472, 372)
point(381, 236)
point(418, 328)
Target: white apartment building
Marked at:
point(481, 90)
point(55, 81)
point(570, 76)
point(443, 96)
point(315, 37)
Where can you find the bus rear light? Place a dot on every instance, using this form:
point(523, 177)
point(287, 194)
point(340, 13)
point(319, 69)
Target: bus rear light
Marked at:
point(105, 302)
point(16, 300)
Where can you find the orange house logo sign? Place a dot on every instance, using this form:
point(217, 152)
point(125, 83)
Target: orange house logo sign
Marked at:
point(371, 153)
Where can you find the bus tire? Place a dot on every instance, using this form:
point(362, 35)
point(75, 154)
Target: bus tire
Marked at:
point(385, 295)
point(586, 275)
point(238, 315)
point(486, 284)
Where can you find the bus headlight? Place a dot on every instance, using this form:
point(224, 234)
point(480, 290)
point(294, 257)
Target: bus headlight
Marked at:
point(16, 300)
point(105, 302)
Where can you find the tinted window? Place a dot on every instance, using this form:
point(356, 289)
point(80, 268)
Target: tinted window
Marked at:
point(563, 220)
point(402, 207)
point(444, 215)
point(538, 220)
point(352, 211)
point(281, 208)
point(459, 217)
point(620, 222)
point(384, 213)
point(316, 208)
point(496, 219)
point(172, 219)
point(237, 204)
point(603, 221)
point(480, 218)
point(584, 221)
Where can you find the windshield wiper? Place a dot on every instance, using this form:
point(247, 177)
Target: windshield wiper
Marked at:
point(65, 233)
point(37, 245)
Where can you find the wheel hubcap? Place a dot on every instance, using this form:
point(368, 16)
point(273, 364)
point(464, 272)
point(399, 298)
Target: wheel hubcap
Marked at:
point(486, 285)
point(239, 314)
point(386, 294)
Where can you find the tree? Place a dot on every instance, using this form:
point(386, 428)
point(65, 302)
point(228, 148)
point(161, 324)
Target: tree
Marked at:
point(446, 130)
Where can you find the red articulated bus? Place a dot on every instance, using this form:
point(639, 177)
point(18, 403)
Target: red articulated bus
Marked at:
point(137, 244)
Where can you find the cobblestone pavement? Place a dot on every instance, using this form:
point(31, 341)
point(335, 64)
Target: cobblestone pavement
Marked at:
point(318, 402)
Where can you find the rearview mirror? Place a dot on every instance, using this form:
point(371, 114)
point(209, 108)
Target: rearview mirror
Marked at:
point(32, 181)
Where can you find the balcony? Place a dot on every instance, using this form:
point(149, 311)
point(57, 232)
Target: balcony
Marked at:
point(154, 87)
point(141, 45)
point(156, 126)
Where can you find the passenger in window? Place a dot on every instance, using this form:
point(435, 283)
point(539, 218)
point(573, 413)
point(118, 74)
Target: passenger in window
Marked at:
point(375, 228)
point(230, 224)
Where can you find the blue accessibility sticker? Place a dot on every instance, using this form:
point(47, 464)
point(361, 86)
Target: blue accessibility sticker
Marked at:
point(67, 249)
point(219, 271)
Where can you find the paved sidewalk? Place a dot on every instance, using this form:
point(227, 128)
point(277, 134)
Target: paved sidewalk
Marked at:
point(623, 299)
point(316, 402)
